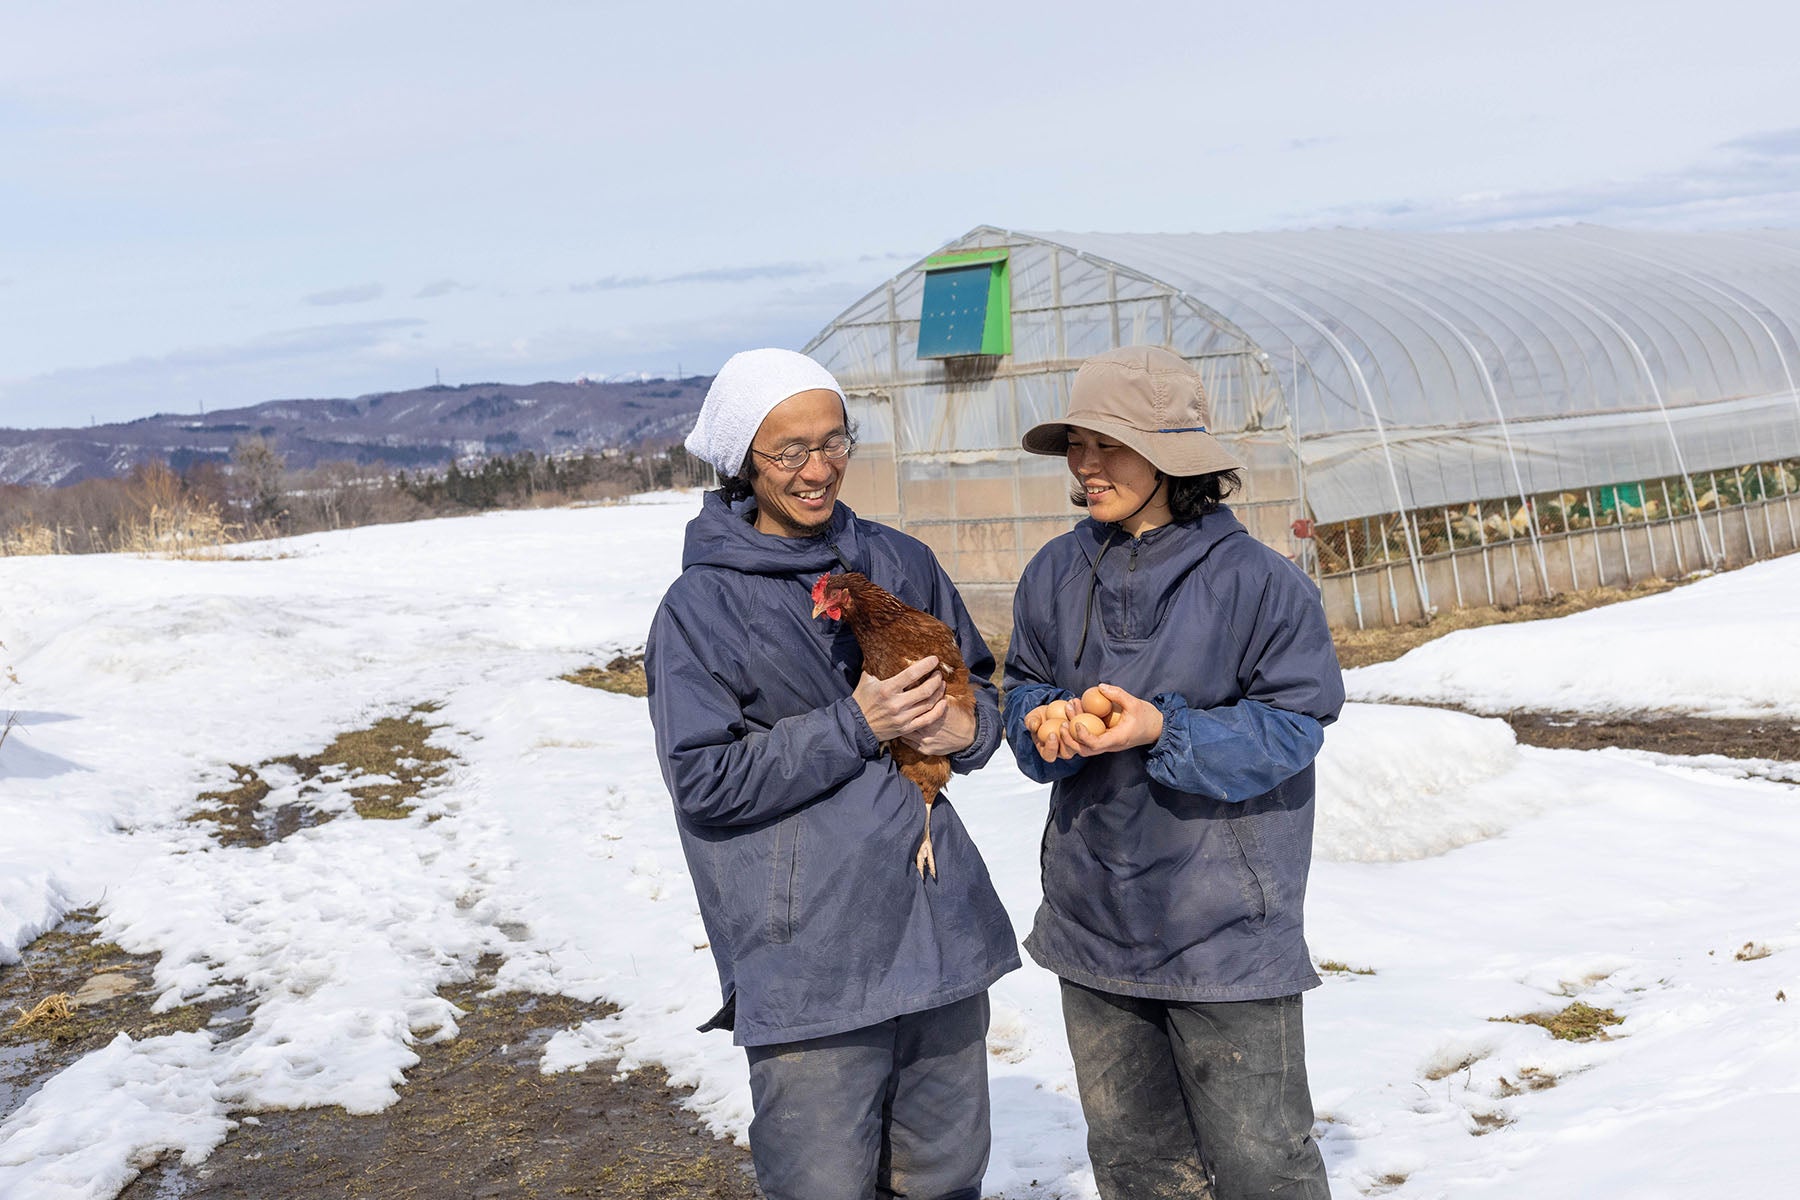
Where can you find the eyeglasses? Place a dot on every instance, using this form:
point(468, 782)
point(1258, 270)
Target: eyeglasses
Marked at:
point(794, 455)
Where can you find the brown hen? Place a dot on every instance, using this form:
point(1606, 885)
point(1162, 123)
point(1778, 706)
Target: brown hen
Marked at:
point(894, 635)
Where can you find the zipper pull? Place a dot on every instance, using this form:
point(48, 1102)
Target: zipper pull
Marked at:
point(1132, 566)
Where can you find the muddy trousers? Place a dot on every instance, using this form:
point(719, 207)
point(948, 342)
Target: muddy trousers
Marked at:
point(895, 1109)
point(1182, 1096)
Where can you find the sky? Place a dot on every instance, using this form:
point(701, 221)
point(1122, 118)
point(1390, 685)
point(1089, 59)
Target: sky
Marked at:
point(216, 204)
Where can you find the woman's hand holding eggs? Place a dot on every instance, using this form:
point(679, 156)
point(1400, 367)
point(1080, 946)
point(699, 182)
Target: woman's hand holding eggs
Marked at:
point(1106, 718)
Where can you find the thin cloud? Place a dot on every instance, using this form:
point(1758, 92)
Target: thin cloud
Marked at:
point(343, 358)
point(1750, 180)
point(1776, 143)
point(439, 287)
point(357, 294)
point(751, 274)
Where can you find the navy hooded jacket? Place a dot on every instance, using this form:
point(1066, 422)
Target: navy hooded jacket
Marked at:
point(799, 831)
point(1177, 871)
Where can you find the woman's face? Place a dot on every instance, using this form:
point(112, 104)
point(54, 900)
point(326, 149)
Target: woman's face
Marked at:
point(1119, 483)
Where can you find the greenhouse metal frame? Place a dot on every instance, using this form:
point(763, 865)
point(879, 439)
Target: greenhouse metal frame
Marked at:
point(1427, 420)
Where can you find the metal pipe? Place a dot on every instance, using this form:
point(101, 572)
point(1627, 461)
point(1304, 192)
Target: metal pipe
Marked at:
point(1674, 533)
point(1450, 541)
point(1568, 536)
point(1762, 500)
point(1718, 507)
point(1512, 550)
point(1594, 524)
point(1487, 565)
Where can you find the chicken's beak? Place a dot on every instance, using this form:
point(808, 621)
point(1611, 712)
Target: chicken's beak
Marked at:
point(819, 609)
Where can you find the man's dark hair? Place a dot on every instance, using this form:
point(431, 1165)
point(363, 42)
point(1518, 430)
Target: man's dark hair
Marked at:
point(1190, 496)
point(737, 487)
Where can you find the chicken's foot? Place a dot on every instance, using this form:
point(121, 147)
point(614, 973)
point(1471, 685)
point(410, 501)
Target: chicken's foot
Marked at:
point(925, 860)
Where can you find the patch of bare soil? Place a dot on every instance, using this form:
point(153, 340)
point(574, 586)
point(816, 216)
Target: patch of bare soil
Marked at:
point(1362, 647)
point(69, 994)
point(476, 1118)
point(1665, 734)
point(395, 754)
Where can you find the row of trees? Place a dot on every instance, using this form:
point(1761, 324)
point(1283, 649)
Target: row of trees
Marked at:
point(255, 495)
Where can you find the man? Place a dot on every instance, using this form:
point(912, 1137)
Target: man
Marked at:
point(857, 986)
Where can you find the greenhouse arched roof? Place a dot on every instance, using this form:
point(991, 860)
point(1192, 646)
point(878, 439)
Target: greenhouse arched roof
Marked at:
point(1479, 364)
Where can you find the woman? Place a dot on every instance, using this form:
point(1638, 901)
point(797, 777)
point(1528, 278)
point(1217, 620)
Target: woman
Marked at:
point(1176, 853)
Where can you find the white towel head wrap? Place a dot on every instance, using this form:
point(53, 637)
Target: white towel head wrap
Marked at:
point(747, 387)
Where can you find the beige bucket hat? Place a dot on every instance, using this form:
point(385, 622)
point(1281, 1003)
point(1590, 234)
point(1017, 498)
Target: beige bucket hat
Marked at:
point(1146, 398)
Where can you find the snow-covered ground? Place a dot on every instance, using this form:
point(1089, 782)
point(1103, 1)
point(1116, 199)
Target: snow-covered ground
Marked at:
point(1474, 877)
point(1725, 646)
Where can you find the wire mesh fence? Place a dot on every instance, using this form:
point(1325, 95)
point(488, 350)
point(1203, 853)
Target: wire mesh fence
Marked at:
point(1345, 546)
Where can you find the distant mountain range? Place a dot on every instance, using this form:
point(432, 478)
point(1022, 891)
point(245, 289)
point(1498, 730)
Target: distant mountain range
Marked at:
point(427, 426)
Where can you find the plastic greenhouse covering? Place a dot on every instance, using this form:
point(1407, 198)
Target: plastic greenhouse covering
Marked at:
point(1365, 374)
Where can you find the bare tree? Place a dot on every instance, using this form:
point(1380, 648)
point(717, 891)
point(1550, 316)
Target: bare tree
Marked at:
point(258, 481)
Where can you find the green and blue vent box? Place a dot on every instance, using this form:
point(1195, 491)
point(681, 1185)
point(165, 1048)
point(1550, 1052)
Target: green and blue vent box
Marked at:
point(968, 305)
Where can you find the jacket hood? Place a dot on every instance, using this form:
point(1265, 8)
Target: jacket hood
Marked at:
point(723, 536)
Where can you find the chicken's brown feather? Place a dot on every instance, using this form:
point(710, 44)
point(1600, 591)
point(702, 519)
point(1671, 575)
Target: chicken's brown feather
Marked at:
point(894, 635)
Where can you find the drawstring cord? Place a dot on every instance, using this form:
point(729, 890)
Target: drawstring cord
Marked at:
point(1112, 531)
point(840, 554)
point(1093, 583)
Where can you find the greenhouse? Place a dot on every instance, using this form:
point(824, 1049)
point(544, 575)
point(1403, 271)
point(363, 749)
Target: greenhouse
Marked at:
point(1428, 420)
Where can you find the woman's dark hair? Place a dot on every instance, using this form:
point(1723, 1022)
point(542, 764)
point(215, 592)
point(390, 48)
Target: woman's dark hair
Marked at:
point(1190, 496)
point(737, 487)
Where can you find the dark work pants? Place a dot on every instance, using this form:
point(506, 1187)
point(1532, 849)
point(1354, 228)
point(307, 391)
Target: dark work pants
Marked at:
point(895, 1109)
point(1177, 1095)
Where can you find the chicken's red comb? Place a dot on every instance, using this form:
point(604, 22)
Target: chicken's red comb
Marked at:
point(818, 592)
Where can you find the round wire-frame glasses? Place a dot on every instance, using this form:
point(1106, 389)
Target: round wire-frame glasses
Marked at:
point(793, 456)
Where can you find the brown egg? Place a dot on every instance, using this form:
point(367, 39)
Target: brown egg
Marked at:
point(1089, 724)
point(1095, 701)
point(1114, 717)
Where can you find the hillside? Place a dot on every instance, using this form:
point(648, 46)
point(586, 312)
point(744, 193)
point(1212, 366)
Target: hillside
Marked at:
point(425, 426)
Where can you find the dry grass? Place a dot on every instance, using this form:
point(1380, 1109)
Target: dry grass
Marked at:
point(29, 538)
point(1487, 1122)
point(396, 747)
point(624, 675)
point(1577, 1023)
point(52, 1008)
point(1531, 1079)
point(1751, 951)
point(1332, 966)
point(1361, 647)
point(396, 752)
point(1451, 1068)
point(181, 531)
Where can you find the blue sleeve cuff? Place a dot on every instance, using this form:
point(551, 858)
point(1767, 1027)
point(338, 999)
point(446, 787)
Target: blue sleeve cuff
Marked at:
point(1019, 701)
point(981, 747)
point(1234, 752)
